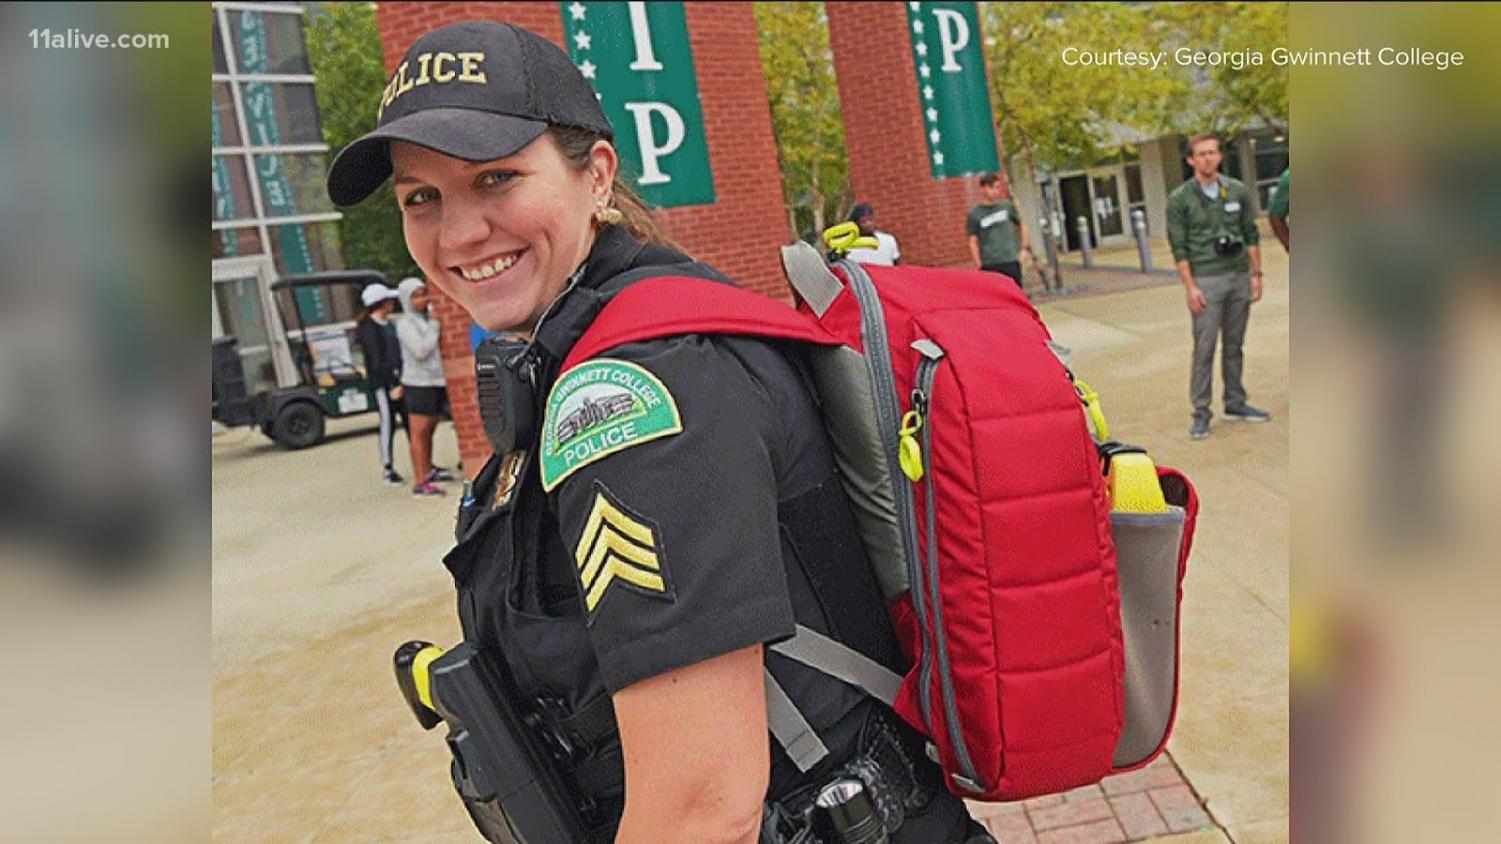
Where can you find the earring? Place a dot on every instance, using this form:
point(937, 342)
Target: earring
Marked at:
point(606, 215)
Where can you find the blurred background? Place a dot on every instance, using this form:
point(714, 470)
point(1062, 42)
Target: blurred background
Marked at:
point(1396, 356)
point(104, 519)
point(104, 563)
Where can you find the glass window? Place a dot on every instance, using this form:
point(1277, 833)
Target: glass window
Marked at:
point(1271, 154)
point(220, 66)
point(268, 42)
point(293, 183)
point(1135, 196)
point(231, 188)
point(281, 114)
point(1107, 209)
point(1231, 165)
point(1271, 164)
point(236, 242)
point(233, 243)
point(226, 130)
point(329, 305)
point(309, 247)
point(241, 316)
point(1134, 192)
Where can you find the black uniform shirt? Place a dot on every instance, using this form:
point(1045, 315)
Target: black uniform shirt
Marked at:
point(693, 509)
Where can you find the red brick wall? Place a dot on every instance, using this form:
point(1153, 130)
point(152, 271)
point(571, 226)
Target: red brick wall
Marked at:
point(883, 132)
point(739, 234)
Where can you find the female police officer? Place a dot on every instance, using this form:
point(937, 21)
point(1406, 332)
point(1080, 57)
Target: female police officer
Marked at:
point(677, 511)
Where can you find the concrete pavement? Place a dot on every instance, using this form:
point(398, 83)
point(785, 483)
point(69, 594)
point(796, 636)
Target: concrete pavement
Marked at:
point(320, 571)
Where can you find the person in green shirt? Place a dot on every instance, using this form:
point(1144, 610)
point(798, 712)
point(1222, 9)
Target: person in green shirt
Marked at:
point(1211, 226)
point(997, 234)
point(1281, 209)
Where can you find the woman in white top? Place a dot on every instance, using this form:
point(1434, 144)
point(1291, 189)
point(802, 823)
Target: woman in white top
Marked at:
point(424, 389)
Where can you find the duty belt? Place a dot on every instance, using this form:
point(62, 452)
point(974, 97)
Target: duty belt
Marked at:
point(883, 765)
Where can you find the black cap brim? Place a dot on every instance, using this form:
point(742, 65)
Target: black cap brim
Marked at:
point(361, 168)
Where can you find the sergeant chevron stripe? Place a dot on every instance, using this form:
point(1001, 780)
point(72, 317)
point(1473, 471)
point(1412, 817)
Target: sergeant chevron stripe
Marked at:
point(618, 544)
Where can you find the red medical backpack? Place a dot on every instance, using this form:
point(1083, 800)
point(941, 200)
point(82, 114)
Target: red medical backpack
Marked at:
point(1041, 659)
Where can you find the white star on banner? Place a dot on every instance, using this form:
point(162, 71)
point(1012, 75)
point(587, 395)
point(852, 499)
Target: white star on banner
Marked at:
point(924, 70)
point(938, 158)
point(922, 49)
point(935, 136)
point(914, 6)
point(582, 40)
point(933, 114)
point(917, 27)
point(927, 92)
point(587, 68)
point(577, 10)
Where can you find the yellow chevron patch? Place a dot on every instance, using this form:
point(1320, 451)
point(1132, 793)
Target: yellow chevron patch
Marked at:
point(618, 545)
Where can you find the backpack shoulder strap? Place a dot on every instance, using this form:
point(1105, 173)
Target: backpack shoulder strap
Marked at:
point(666, 306)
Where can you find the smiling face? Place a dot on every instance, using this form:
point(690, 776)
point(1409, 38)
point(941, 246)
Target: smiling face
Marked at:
point(500, 237)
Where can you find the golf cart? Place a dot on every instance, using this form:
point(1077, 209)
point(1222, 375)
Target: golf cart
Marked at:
point(329, 382)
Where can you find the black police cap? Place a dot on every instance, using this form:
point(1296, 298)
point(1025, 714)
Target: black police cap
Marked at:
point(477, 90)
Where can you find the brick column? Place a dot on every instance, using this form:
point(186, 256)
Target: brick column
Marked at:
point(883, 133)
point(739, 234)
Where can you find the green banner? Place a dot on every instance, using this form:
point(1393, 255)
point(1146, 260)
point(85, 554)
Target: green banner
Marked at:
point(637, 57)
point(224, 203)
point(960, 132)
point(276, 189)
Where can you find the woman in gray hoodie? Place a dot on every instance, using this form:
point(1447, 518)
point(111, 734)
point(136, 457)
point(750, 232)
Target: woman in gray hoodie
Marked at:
point(423, 386)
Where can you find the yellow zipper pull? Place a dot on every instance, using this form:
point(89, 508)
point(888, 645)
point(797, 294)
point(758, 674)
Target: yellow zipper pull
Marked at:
point(909, 451)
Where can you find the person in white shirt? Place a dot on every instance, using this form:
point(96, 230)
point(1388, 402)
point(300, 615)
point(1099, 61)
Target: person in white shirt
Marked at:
point(886, 254)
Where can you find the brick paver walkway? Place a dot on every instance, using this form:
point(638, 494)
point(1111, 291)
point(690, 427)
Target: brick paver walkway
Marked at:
point(1136, 806)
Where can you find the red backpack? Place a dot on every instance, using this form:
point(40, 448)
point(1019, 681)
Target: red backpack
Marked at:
point(1042, 627)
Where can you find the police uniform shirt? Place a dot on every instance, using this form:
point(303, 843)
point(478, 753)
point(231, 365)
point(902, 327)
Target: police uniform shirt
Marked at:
point(692, 509)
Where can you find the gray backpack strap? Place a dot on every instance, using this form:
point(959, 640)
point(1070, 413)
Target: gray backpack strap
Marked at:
point(810, 277)
point(818, 651)
point(792, 730)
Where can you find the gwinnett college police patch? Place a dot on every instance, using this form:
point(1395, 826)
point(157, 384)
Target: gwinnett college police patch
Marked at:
point(599, 408)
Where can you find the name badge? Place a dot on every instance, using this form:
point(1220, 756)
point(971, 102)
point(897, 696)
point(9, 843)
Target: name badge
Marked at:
point(1232, 207)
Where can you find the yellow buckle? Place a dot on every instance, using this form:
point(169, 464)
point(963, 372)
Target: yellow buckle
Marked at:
point(1098, 428)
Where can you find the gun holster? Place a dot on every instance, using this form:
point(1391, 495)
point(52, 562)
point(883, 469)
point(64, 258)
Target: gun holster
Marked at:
point(501, 768)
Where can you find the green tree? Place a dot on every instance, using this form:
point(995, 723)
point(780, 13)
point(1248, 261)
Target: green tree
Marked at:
point(799, 70)
point(1222, 98)
point(344, 49)
point(1051, 114)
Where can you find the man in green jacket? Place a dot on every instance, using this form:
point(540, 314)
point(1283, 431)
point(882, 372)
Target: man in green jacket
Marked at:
point(1281, 209)
point(1211, 225)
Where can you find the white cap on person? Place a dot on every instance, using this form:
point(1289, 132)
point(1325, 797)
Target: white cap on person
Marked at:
point(374, 294)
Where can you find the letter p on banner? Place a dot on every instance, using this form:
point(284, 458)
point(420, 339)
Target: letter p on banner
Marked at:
point(639, 60)
point(651, 151)
point(953, 36)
